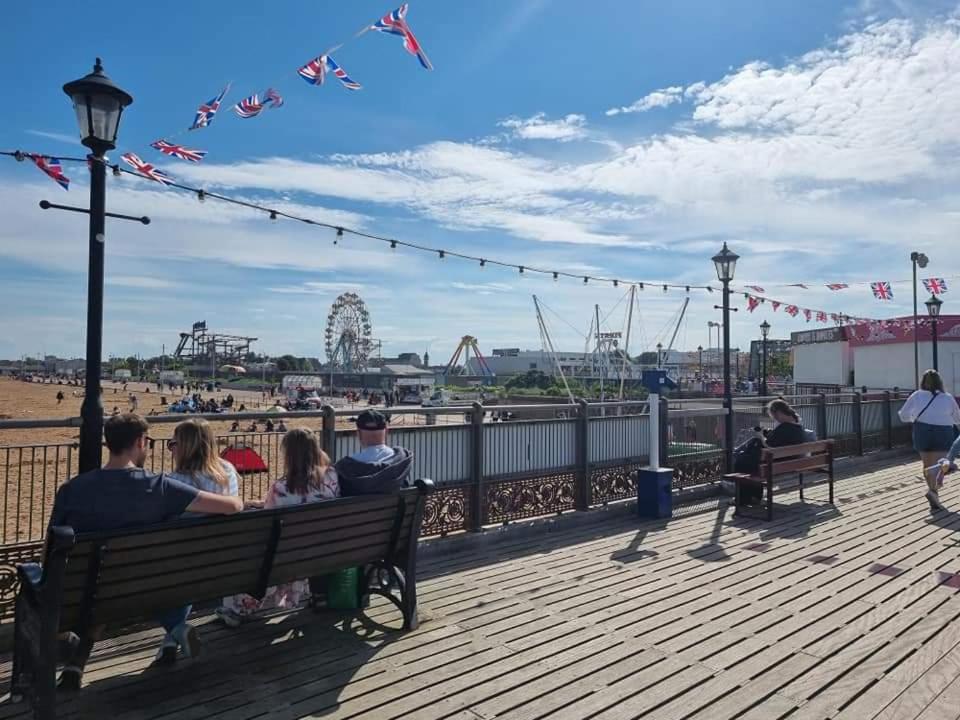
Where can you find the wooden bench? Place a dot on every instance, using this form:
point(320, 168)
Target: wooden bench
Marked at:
point(779, 462)
point(93, 579)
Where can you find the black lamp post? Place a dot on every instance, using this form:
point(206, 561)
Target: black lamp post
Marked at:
point(933, 310)
point(700, 353)
point(917, 259)
point(659, 355)
point(99, 104)
point(725, 263)
point(764, 333)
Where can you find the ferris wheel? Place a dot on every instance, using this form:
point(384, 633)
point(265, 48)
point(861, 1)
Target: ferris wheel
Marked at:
point(348, 339)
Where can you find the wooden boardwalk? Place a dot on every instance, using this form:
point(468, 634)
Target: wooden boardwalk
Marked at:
point(850, 612)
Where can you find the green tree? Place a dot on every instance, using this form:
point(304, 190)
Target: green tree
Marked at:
point(288, 363)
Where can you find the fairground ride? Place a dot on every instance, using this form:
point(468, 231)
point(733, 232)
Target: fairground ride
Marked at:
point(348, 338)
point(467, 346)
point(206, 348)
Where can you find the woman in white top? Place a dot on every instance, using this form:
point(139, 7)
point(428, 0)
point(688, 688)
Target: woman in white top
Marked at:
point(934, 413)
point(195, 459)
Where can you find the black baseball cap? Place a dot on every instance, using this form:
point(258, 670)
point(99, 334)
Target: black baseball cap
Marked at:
point(371, 420)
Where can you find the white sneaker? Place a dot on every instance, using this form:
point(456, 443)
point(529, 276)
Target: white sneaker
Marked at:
point(934, 501)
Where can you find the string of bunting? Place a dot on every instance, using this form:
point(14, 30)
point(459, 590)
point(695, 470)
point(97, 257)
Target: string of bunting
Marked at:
point(313, 72)
point(52, 166)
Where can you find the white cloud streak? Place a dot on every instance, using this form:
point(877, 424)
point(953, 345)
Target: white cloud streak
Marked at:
point(657, 99)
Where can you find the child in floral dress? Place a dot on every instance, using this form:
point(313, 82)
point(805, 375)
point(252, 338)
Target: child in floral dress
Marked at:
point(310, 477)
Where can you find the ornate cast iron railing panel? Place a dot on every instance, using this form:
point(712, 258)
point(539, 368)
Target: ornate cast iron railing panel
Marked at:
point(447, 510)
point(516, 498)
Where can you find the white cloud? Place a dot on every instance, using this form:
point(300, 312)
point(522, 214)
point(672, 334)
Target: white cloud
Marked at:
point(59, 137)
point(656, 99)
point(538, 127)
point(139, 281)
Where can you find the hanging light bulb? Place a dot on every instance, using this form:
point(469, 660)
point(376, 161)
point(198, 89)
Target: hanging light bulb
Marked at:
point(586, 279)
point(616, 282)
point(339, 235)
point(18, 155)
point(483, 263)
point(442, 254)
point(521, 269)
point(688, 288)
point(116, 171)
point(556, 275)
point(664, 288)
point(201, 195)
point(641, 286)
point(393, 244)
point(273, 214)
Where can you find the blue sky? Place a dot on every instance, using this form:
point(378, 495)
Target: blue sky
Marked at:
point(625, 139)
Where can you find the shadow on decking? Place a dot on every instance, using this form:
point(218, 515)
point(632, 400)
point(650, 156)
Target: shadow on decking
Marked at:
point(269, 661)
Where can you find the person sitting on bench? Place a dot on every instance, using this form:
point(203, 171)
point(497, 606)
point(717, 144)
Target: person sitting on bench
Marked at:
point(310, 477)
point(120, 495)
point(788, 430)
point(377, 468)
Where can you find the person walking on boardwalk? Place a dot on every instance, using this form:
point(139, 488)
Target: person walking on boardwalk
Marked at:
point(934, 414)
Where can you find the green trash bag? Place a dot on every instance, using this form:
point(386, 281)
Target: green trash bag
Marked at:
point(343, 589)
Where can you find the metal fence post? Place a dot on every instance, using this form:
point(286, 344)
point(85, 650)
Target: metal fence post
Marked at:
point(328, 436)
point(664, 434)
point(858, 420)
point(582, 490)
point(822, 417)
point(887, 419)
point(478, 509)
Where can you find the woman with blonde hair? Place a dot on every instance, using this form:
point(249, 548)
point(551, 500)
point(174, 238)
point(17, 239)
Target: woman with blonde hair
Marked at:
point(196, 462)
point(309, 477)
point(934, 413)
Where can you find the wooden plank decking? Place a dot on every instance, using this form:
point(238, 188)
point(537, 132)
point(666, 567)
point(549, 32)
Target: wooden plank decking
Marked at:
point(850, 612)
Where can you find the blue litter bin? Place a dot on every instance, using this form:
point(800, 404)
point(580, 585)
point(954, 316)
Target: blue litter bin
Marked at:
point(655, 492)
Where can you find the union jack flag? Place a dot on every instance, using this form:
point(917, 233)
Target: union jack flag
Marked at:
point(775, 304)
point(146, 169)
point(272, 97)
point(249, 107)
point(53, 169)
point(808, 314)
point(935, 286)
point(799, 285)
point(178, 151)
point(837, 286)
point(882, 290)
point(756, 288)
point(752, 302)
point(821, 316)
point(395, 23)
point(315, 72)
point(792, 310)
point(206, 111)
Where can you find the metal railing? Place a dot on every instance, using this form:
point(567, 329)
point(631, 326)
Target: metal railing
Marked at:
point(548, 459)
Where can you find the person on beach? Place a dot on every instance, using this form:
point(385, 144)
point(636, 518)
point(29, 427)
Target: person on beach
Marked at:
point(121, 495)
point(309, 477)
point(934, 414)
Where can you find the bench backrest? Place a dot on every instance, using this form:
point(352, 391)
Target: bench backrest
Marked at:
point(122, 576)
point(796, 458)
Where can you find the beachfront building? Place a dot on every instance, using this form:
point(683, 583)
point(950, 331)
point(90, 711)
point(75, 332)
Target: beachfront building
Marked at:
point(874, 355)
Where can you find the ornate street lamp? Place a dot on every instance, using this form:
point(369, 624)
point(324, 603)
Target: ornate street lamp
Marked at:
point(764, 333)
point(933, 310)
point(99, 103)
point(725, 263)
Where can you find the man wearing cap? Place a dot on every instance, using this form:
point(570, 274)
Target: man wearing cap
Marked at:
point(378, 467)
